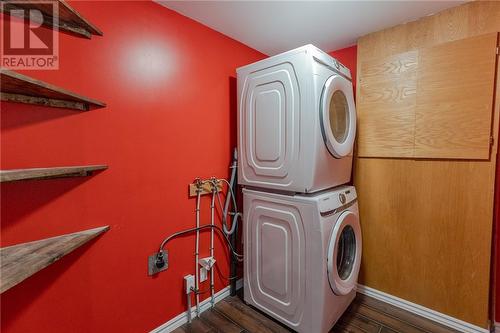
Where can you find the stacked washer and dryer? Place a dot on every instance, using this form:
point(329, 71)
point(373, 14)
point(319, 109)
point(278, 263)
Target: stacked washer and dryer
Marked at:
point(301, 233)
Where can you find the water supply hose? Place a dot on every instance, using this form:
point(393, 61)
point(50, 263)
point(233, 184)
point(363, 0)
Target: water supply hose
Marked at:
point(196, 254)
point(212, 222)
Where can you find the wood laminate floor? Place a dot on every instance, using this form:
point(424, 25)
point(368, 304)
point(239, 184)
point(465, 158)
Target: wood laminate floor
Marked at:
point(365, 315)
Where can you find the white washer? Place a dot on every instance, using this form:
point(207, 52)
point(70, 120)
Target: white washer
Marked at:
point(302, 255)
point(296, 122)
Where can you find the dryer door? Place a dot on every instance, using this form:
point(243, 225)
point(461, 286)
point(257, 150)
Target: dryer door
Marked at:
point(344, 254)
point(269, 124)
point(338, 116)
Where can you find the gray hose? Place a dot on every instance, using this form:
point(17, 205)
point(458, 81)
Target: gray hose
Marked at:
point(233, 167)
point(225, 213)
point(230, 196)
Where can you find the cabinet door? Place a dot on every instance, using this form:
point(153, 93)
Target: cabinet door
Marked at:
point(455, 89)
point(434, 102)
point(386, 106)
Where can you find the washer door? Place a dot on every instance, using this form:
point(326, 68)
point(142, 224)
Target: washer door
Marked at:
point(344, 254)
point(338, 116)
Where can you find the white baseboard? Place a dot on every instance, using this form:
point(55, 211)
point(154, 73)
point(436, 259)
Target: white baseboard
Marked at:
point(422, 311)
point(239, 284)
point(181, 318)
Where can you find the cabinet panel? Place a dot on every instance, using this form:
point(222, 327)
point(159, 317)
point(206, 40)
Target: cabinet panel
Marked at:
point(471, 19)
point(455, 99)
point(434, 218)
point(386, 106)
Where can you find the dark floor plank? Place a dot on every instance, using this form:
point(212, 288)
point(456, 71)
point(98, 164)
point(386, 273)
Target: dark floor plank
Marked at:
point(198, 326)
point(347, 329)
point(247, 317)
point(388, 321)
point(269, 322)
point(245, 321)
point(404, 315)
point(221, 323)
point(351, 318)
point(387, 330)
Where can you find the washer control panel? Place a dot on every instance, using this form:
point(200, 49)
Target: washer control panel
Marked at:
point(342, 197)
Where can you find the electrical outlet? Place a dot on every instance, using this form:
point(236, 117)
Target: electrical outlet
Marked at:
point(155, 266)
point(188, 283)
point(203, 274)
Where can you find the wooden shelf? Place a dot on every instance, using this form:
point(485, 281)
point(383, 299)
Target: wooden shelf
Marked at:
point(23, 260)
point(69, 19)
point(48, 173)
point(20, 88)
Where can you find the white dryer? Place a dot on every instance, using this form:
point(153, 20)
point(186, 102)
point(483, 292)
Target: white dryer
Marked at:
point(302, 255)
point(296, 122)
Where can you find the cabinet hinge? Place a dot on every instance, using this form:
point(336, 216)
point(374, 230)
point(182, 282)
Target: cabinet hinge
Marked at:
point(492, 140)
point(498, 50)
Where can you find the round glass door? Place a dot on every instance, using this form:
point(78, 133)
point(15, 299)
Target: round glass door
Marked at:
point(338, 116)
point(344, 254)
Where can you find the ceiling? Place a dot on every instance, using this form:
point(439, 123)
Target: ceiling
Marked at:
point(276, 26)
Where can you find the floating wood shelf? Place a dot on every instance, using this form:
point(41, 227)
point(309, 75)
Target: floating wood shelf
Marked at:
point(48, 173)
point(69, 19)
point(20, 88)
point(23, 260)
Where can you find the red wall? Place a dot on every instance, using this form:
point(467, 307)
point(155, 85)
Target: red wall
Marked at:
point(170, 89)
point(348, 57)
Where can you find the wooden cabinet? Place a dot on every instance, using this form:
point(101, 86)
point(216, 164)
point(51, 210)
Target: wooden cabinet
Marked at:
point(434, 102)
point(426, 214)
